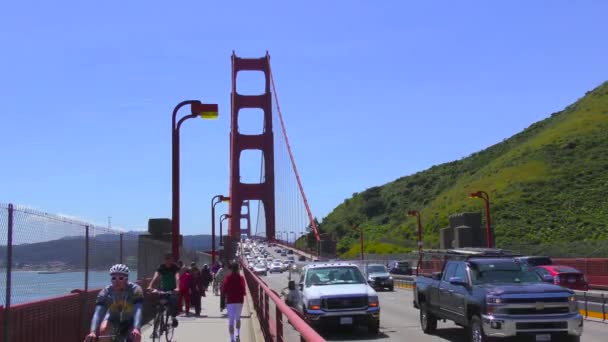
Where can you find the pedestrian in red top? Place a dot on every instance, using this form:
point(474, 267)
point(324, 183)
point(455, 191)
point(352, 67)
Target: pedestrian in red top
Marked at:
point(234, 289)
point(184, 290)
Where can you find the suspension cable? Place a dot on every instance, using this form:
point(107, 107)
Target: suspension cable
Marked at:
point(293, 163)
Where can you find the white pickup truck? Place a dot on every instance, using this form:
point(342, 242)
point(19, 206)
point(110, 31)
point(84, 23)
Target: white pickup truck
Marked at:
point(338, 294)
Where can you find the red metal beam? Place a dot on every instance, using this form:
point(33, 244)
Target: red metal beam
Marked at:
point(264, 142)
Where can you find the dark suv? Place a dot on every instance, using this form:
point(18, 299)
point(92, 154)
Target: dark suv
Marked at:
point(400, 267)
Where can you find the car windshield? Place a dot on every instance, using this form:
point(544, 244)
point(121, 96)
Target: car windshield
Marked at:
point(334, 275)
point(502, 272)
point(376, 269)
point(260, 266)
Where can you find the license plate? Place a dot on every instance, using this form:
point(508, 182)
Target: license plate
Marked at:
point(572, 280)
point(346, 320)
point(543, 337)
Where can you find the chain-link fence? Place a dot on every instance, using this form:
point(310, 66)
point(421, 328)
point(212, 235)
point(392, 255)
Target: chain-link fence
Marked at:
point(51, 268)
point(48, 255)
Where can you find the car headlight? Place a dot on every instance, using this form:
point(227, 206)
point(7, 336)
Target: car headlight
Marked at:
point(493, 300)
point(573, 304)
point(370, 278)
point(373, 302)
point(389, 277)
point(493, 304)
point(314, 304)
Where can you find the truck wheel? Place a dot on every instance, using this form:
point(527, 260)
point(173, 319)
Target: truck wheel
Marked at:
point(428, 322)
point(476, 331)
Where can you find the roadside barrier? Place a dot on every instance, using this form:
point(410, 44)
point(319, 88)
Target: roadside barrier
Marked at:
point(271, 321)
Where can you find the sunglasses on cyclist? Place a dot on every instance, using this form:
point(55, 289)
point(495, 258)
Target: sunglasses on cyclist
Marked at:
point(121, 278)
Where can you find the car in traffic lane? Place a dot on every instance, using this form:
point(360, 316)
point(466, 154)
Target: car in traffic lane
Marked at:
point(494, 296)
point(260, 269)
point(378, 277)
point(566, 276)
point(276, 267)
point(338, 294)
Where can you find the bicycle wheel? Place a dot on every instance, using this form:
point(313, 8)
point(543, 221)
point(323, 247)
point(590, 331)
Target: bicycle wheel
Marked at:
point(168, 326)
point(157, 330)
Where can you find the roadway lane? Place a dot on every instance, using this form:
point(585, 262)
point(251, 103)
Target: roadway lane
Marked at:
point(399, 321)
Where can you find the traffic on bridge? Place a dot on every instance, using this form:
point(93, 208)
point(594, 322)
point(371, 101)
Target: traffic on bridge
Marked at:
point(425, 173)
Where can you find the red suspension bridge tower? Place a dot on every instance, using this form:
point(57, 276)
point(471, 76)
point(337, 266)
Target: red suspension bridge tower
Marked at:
point(264, 142)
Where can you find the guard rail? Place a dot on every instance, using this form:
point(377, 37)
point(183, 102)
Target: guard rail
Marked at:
point(272, 329)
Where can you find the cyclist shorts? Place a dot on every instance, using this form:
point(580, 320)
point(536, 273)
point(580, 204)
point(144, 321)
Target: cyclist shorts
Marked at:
point(124, 328)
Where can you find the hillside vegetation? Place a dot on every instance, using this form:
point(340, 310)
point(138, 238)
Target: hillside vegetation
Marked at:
point(547, 184)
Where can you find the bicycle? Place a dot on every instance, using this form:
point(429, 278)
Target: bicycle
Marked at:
point(163, 322)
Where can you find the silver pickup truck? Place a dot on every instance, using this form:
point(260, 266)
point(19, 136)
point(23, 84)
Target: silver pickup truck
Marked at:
point(338, 294)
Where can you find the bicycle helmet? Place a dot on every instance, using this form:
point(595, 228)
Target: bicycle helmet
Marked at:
point(119, 269)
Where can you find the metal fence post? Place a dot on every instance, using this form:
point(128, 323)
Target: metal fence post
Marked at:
point(603, 307)
point(9, 267)
point(120, 253)
point(586, 307)
point(279, 324)
point(86, 259)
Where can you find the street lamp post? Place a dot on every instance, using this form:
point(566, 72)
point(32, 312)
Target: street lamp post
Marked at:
point(416, 213)
point(215, 200)
point(486, 198)
point(360, 238)
point(206, 111)
point(294, 238)
point(223, 217)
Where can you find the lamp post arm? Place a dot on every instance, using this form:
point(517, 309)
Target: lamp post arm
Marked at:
point(179, 123)
point(177, 108)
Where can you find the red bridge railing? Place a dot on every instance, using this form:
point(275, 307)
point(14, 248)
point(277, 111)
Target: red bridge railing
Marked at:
point(64, 318)
point(264, 298)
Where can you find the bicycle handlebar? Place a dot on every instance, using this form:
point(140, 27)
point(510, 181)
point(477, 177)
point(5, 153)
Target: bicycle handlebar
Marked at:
point(158, 292)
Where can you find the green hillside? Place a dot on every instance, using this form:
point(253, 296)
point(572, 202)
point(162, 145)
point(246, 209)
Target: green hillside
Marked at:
point(548, 184)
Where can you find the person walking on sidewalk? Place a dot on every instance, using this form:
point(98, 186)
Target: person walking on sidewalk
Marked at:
point(219, 278)
point(207, 276)
point(185, 281)
point(234, 290)
point(196, 288)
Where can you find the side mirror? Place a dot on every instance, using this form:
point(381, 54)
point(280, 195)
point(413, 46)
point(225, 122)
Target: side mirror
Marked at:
point(437, 275)
point(458, 281)
point(301, 286)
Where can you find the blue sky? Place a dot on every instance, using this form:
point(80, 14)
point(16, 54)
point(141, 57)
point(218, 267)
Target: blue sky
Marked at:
point(371, 91)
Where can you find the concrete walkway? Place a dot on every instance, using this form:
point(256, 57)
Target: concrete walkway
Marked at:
point(212, 325)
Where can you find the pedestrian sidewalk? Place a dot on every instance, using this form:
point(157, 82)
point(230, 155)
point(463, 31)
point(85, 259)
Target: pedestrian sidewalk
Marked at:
point(211, 325)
